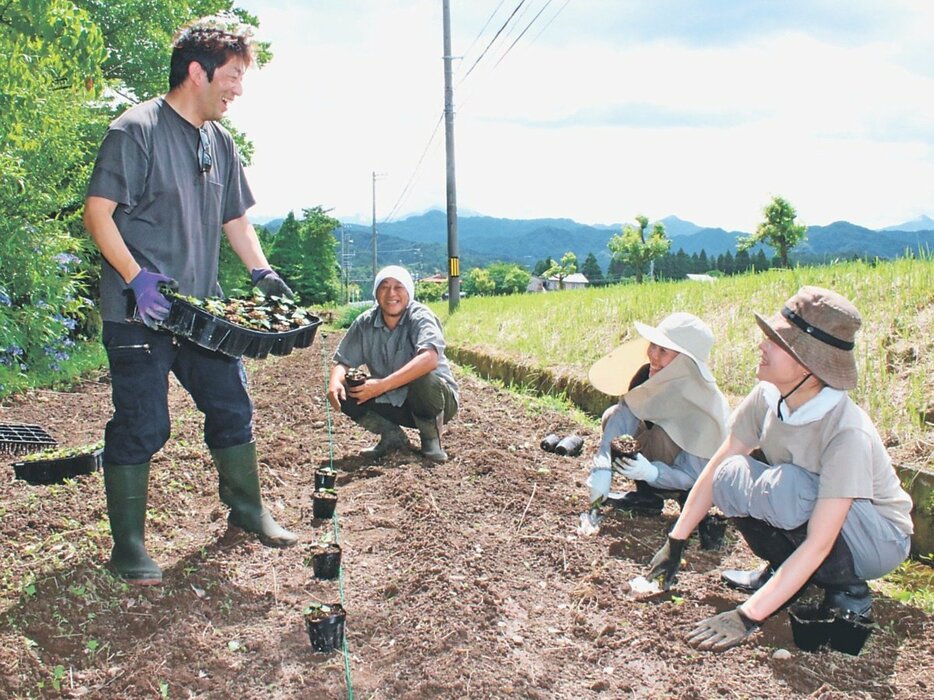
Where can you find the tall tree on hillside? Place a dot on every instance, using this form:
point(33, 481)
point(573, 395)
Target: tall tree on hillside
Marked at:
point(563, 269)
point(541, 266)
point(637, 249)
point(779, 230)
point(591, 269)
point(305, 252)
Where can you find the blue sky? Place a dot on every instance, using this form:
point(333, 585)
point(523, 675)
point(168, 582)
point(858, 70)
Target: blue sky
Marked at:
point(602, 110)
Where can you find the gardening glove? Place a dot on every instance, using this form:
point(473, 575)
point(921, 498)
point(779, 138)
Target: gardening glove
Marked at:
point(720, 632)
point(151, 303)
point(599, 481)
point(269, 283)
point(589, 522)
point(637, 468)
point(667, 561)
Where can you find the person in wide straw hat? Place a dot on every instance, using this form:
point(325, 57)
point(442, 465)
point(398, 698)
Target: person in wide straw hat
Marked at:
point(825, 505)
point(669, 402)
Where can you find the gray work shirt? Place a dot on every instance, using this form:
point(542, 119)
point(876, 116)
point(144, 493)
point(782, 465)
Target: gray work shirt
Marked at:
point(169, 213)
point(370, 342)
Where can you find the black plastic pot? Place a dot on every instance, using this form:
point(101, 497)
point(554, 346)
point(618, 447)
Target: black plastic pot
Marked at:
point(325, 625)
point(325, 479)
point(850, 631)
point(356, 377)
point(623, 446)
point(570, 446)
point(550, 442)
point(323, 504)
point(711, 531)
point(810, 626)
point(55, 471)
point(326, 561)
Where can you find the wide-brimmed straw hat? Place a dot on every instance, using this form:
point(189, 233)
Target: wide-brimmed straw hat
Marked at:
point(818, 328)
point(682, 332)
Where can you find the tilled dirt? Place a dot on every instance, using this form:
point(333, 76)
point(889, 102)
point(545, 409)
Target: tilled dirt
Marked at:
point(461, 580)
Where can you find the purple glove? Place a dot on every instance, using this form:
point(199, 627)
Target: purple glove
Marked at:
point(150, 302)
point(269, 283)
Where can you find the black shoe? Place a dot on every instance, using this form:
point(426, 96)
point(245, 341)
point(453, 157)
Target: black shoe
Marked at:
point(855, 599)
point(749, 581)
point(638, 502)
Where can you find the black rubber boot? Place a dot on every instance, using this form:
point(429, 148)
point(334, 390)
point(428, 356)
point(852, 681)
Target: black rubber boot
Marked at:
point(391, 436)
point(238, 487)
point(844, 591)
point(749, 581)
point(766, 542)
point(127, 486)
point(429, 430)
point(643, 501)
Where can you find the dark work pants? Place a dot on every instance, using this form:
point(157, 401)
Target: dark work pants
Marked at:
point(140, 362)
point(427, 396)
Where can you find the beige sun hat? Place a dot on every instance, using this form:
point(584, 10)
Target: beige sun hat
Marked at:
point(682, 332)
point(818, 328)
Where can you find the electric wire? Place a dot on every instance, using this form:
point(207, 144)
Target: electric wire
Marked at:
point(548, 23)
point(418, 165)
point(522, 34)
point(492, 41)
point(482, 29)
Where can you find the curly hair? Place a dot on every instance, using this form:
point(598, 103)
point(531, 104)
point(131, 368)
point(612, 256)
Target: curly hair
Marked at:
point(211, 41)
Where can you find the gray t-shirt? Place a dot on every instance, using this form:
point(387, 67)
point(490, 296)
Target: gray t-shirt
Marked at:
point(843, 448)
point(369, 342)
point(168, 212)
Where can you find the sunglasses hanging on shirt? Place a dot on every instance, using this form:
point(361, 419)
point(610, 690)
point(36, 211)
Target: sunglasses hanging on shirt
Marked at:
point(205, 161)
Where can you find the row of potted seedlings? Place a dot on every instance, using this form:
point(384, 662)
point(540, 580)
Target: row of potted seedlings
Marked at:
point(325, 621)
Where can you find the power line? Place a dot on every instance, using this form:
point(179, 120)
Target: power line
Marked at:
point(522, 34)
point(483, 29)
point(408, 185)
point(548, 23)
point(495, 37)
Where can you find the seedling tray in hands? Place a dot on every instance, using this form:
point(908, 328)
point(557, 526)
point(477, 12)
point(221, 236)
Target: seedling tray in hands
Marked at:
point(196, 320)
point(53, 466)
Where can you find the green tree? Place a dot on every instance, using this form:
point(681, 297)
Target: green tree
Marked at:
point(591, 269)
point(562, 270)
point(508, 278)
point(304, 252)
point(478, 282)
point(634, 248)
point(779, 230)
point(541, 266)
point(430, 291)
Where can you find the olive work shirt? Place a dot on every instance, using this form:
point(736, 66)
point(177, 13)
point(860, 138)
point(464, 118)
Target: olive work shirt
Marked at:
point(370, 342)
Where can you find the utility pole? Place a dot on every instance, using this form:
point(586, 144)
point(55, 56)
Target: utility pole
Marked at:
point(454, 271)
point(376, 176)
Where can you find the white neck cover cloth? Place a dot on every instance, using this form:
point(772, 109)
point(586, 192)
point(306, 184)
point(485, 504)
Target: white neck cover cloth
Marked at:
point(691, 410)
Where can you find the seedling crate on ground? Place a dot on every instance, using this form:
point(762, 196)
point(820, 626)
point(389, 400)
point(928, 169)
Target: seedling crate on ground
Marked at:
point(251, 327)
point(53, 466)
point(19, 438)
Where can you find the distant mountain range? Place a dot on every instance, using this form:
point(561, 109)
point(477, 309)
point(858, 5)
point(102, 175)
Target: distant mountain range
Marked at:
point(421, 241)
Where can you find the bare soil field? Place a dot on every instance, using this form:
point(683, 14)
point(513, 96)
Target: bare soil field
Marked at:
point(461, 580)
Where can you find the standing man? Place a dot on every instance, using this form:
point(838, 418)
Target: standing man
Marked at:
point(167, 180)
point(410, 382)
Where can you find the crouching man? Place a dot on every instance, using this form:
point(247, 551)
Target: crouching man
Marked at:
point(410, 383)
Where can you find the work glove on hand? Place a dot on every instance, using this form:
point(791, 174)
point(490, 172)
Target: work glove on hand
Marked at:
point(151, 303)
point(720, 632)
point(637, 468)
point(600, 478)
point(269, 283)
point(667, 561)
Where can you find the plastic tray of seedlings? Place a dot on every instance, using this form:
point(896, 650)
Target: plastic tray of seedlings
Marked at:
point(54, 465)
point(19, 438)
point(254, 326)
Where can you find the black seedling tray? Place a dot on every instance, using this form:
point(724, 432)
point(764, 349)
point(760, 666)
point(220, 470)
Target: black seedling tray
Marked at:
point(55, 471)
point(219, 334)
point(18, 438)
